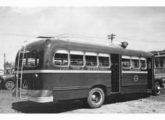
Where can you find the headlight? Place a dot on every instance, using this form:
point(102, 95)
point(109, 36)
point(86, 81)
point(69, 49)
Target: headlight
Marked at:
point(36, 75)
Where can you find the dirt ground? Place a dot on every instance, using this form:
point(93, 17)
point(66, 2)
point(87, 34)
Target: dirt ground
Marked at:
point(139, 103)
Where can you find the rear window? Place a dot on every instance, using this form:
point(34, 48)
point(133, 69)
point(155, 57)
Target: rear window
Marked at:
point(29, 59)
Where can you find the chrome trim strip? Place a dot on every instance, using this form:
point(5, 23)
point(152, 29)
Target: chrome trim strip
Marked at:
point(65, 71)
point(41, 99)
point(140, 72)
point(71, 88)
point(40, 96)
point(77, 71)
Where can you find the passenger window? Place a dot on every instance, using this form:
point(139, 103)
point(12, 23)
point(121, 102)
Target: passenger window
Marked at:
point(143, 64)
point(126, 63)
point(61, 58)
point(157, 61)
point(160, 62)
point(91, 59)
point(135, 63)
point(104, 60)
point(76, 58)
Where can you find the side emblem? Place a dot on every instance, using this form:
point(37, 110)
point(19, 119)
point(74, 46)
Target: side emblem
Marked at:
point(136, 78)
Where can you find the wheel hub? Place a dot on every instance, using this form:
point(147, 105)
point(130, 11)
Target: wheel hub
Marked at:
point(96, 97)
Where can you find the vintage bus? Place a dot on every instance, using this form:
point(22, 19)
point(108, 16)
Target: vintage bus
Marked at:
point(52, 70)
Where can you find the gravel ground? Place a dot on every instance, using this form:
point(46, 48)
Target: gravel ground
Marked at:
point(139, 103)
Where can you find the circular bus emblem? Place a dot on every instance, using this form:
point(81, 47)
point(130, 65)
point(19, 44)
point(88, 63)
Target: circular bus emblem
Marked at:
point(136, 78)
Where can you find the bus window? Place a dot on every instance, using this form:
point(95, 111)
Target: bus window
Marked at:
point(29, 59)
point(33, 62)
point(76, 58)
point(61, 58)
point(135, 63)
point(143, 63)
point(156, 62)
point(161, 62)
point(91, 59)
point(104, 60)
point(126, 63)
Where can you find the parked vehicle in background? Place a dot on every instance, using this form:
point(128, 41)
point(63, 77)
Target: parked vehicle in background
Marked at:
point(7, 81)
point(159, 68)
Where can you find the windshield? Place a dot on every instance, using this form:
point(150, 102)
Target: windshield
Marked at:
point(29, 60)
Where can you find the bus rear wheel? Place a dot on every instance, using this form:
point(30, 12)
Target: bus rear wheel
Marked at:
point(96, 98)
point(157, 87)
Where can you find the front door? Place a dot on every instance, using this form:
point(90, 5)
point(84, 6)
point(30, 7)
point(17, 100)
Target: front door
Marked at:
point(150, 69)
point(116, 72)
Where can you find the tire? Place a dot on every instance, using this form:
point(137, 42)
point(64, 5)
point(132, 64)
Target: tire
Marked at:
point(9, 85)
point(156, 89)
point(96, 98)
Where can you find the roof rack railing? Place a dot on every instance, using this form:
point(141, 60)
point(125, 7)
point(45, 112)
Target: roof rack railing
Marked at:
point(45, 37)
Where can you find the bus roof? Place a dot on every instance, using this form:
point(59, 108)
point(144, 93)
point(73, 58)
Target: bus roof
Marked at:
point(159, 53)
point(41, 44)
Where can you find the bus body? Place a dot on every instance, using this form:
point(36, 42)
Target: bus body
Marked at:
point(55, 70)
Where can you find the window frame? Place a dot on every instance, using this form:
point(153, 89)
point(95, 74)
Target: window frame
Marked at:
point(26, 60)
point(104, 55)
point(145, 63)
point(81, 53)
point(135, 58)
point(126, 57)
point(91, 54)
point(65, 51)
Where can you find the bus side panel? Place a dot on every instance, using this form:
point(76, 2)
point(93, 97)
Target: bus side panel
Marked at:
point(134, 89)
point(134, 82)
point(133, 79)
point(74, 85)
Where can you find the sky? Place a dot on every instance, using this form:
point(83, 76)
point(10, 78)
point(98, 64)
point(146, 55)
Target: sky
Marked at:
point(142, 27)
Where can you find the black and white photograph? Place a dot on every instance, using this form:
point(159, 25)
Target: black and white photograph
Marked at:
point(82, 59)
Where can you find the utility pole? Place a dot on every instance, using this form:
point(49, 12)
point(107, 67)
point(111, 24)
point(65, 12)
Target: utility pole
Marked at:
point(111, 37)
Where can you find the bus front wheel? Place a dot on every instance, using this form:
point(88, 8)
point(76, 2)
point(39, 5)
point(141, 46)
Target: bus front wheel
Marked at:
point(157, 87)
point(96, 98)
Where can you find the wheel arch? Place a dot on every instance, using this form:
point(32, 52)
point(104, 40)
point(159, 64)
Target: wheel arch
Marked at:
point(103, 87)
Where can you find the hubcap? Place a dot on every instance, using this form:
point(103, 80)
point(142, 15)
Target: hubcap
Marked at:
point(96, 97)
